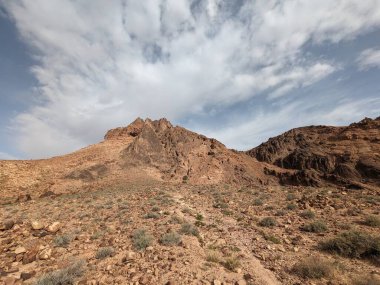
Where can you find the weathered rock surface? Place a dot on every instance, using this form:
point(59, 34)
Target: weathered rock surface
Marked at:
point(349, 156)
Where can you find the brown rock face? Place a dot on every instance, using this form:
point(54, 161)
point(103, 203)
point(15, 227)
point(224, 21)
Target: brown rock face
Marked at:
point(344, 155)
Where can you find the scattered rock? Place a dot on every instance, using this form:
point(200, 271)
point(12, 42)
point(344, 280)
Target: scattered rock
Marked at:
point(7, 225)
point(45, 254)
point(55, 227)
point(20, 250)
point(27, 275)
point(36, 225)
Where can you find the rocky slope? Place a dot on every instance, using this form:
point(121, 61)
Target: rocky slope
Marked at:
point(144, 150)
point(348, 156)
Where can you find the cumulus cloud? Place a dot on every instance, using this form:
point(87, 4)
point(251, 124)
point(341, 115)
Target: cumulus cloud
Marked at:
point(369, 58)
point(100, 64)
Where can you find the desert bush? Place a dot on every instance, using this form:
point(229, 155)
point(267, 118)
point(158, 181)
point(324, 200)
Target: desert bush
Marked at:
point(176, 220)
point(366, 280)
point(104, 252)
point(213, 256)
point(271, 238)
point(152, 215)
point(291, 197)
point(307, 214)
point(64, 276)
point(315, 227)
point(353, 244)
point(280, 213)
point(189, 229)
point(199, 217)
point(141, 239)
point(171, 238)
point(62, 240)
point(291, 206)
point(372, 221)
point(231, 263)
point(267, 222)
point(258, 202)
point(312, 268)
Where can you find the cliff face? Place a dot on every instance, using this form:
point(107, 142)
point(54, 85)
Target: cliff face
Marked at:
point(345, 155)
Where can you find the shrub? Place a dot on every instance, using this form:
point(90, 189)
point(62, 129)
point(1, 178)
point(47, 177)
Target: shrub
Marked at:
point(258, 202)
point(171, 238)
point(63, 240)
point(291, 196)
point(268, 222)
point(199, 217)
point(315, 227)
point(104, 252)
point(64, 276)
point(189, 229)
point(307, 214)
point(152, 215)
point(141, 239)
point(272, 238)
point(291, 206)
point(366, 280)
point(353, 244)
point(372, 221)
point(280, 213)
point(231, 263)
point(313, 268)
point(213, 256)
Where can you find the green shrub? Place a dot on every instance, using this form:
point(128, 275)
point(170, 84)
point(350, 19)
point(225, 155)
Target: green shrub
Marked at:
point(291, 206)
point(104, 252)
point(152, 215)
point(231, 263)
point(189, 229)
point(313, 268)
point(315, 227)
point(353, 244)
point(62, 241)
point(171, 238)
point(141, 239)
point(267, 222)
point(64, 276)
point(213, 256)
point(307, 214)
point(258, 202)
point(372, 221)
point(199, 217)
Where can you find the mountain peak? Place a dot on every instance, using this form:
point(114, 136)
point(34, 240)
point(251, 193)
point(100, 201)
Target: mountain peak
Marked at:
point(136, 127)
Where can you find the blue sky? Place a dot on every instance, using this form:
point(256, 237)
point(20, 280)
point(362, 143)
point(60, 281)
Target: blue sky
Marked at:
point(239, 71)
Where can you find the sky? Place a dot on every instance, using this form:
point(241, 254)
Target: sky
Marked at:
point(237, 70)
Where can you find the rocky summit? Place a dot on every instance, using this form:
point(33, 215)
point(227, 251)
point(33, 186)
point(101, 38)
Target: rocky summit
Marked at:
point(155, 203)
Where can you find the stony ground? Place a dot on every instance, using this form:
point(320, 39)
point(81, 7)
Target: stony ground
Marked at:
point(164, 233)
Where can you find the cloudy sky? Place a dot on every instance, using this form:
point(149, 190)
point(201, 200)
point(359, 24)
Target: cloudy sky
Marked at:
point(237, 70)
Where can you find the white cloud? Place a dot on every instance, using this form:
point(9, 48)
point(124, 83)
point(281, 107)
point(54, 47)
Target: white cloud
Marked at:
point(100, 64)
point(369, 58)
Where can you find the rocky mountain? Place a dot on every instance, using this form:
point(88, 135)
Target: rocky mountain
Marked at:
point(317, 155)
point(144, 150)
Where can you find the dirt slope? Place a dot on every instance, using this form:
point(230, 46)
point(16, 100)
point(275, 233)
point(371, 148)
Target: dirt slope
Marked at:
point(144, 150)
point(348, 156)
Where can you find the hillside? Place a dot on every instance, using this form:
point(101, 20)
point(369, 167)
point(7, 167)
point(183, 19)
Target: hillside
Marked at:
point(155, 203)
point(319, 155)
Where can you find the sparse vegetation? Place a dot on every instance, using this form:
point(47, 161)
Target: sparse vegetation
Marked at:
point(258, 202)
point(141, 239)
point(189, 229)
point(315, 227)
point(213, 256)
point(291, 206)
point(62, 240)
point(307, 214)
point(104, 252)
point(231, 263)
point(372, 221)
point(171, 238)
point(313, 268)
point(66, 276)
point(152, 215)
point(353, 244)
point(366, 280)
point(267, 222)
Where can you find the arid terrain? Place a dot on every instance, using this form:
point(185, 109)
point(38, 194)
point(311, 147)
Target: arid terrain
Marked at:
point(157, 204)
